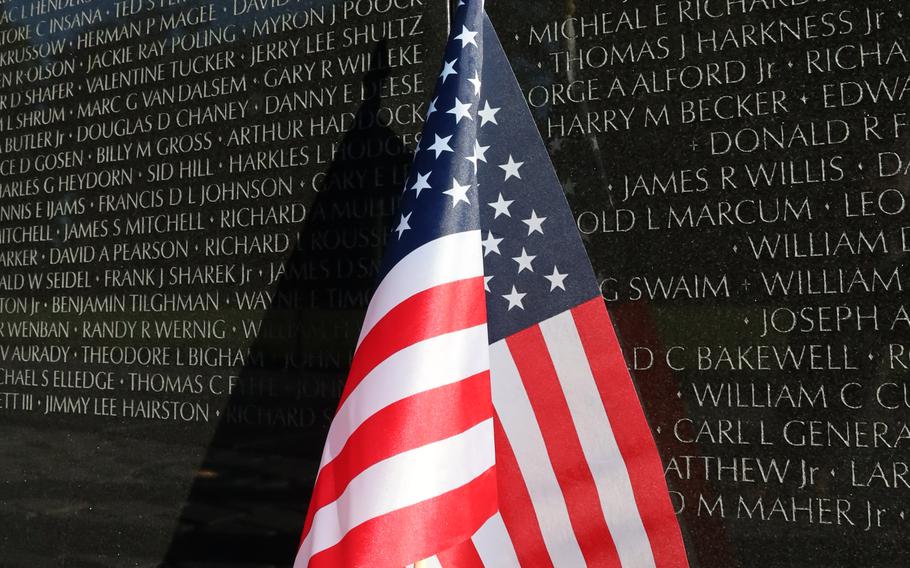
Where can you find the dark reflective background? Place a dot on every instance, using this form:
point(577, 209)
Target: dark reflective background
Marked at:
point(728, 162)
point(281, 204)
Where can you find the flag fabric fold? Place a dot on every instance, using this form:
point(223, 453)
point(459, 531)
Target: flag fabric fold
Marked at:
point(488, 418)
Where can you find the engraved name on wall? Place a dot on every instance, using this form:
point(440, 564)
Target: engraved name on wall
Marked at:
point(738, 169)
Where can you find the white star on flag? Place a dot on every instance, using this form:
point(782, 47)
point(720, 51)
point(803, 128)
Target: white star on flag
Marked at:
point(476, 82)
point(514, 299)
point(556, 279)
point(491, 244)
point(458, 193)
point(466, 37)
point(501, 206)
point(534, 223)
point(479, 154)
point(423, 182)
point(441, 145)
point(432, 108)
point(449, 69)
point(511, 168)
point(524, 261)
point(488, 114)
point(461, 110)
point(403, 226)
point(486, 282)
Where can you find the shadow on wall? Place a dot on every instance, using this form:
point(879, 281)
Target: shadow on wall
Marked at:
point(247, 504)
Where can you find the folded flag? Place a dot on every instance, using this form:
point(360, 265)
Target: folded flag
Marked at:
point(488, 418)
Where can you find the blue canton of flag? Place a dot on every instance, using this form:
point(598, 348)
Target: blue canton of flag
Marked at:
point(441, 195)
point(480, 164)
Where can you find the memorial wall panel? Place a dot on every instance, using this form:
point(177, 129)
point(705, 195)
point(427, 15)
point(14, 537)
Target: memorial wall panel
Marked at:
point(738, 170)
point(193, 201)
point(194, 198)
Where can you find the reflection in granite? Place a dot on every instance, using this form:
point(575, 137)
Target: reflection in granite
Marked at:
point(191, 217)
point(262, 461)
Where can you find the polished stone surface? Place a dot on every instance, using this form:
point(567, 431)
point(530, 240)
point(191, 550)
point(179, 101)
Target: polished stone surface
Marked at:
point(737, 170)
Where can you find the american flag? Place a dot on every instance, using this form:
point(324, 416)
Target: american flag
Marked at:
point(488, 418)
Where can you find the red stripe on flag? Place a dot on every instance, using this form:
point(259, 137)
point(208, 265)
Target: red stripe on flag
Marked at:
point(404, 536)
point(431, 313)
point(516, 507)
point(462, 555)
point(529, 351)
point(415, 421)
point(633, 436)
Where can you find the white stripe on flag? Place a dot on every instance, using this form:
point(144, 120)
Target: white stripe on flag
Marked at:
point(447, 259)
point(617, 499)
point(517, 417)
point(426, 365)
point(402, 481)
point(432, 562)
point(494, 545)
